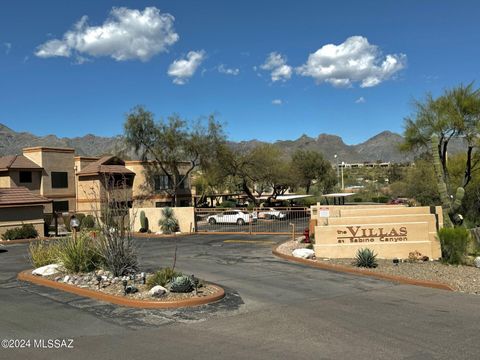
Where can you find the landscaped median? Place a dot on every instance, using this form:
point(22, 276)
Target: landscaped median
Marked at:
point(207, 293)
point(431, 274)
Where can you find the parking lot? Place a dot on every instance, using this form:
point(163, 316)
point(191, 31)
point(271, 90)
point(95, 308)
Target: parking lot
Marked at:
point(253, 221)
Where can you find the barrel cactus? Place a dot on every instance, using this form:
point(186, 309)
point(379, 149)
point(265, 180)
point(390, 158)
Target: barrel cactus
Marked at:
point(181, 284)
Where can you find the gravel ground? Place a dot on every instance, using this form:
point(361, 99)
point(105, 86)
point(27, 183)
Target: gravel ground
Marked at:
point(116, 288)
point(461, 278)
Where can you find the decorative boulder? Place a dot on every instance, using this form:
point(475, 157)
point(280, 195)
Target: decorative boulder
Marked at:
point(157, 291)
point(47, 270)
point(303, 253)
point(477, 262)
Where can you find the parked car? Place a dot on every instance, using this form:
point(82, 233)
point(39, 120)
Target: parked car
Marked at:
point(238, 217)
point(272, 213)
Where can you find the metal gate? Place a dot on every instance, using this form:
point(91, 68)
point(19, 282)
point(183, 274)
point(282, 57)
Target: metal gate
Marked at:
point(252, 221)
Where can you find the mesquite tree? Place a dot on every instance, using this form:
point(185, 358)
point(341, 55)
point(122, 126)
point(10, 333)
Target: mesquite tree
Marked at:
point(177, 146)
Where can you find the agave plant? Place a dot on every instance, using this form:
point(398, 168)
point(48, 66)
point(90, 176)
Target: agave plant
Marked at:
point(366, 258)
point(168, 223)
point(182, 284)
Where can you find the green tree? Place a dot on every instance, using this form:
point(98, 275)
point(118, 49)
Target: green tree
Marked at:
point(310, 167)
point(455, 114)
point(417, 184)
point(178, 146)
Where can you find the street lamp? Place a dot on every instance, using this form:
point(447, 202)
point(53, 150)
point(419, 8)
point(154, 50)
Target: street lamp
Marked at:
point(338, 170)
point(343, 165)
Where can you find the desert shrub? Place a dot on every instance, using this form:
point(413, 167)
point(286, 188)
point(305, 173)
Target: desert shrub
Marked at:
point(162, 277)
point(88, 222)
point(117, 254)
point(27, 231)
point(78, 255)
point(380, 199)
point(182, 284)
point(454, 243)
point(80, 217)
point(43, 253)
point(168, 223)
point(366, 258)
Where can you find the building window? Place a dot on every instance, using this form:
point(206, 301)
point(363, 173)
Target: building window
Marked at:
point(162, 182)
point(59, 180)
point(160, 204)
point(60, 206)
point(25, 177)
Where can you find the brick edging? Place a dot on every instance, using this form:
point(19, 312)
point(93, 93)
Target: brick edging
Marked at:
point(119, 300)
point(345, 269)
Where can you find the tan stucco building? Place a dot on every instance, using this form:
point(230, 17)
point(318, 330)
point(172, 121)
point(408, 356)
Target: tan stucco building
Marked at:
point(18, 206)
point(101, 181)
point(151, 187)
point(79, 183)
point(58, 176)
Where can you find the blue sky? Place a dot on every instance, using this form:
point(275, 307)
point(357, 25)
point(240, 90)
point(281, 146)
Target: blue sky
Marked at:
point(263, 67)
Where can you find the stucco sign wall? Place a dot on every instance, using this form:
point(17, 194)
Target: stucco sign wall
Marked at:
point(390, 236)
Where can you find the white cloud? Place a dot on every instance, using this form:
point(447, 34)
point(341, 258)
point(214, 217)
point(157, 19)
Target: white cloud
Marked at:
point(125, 35)
point(277, 102)
point(224, 70)
point(8, 47)
point(360, 100)
point(277, 65)
point(183, 69)
point(355, 60)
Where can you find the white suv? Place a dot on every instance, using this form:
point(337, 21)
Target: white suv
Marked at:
point(238, 217)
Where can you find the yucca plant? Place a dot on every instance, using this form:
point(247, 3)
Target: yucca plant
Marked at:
point(168, 223)
point(366, 258)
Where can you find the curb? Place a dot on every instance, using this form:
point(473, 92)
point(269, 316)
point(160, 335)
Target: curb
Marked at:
point(117, 300)
point(140, 235)
point(26, 241)
point(345, 269)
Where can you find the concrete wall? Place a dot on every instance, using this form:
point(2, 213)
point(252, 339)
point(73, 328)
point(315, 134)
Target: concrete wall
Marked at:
point(14, 217)
point(5, 181)
point(184, 215)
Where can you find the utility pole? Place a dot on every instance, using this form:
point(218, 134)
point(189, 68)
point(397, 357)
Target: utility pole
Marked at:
point(343, 165)
point(338, 170)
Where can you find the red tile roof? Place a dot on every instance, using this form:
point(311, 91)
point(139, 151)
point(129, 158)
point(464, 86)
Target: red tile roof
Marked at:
point(20, 196)
point(17, 162)
point(106, 165)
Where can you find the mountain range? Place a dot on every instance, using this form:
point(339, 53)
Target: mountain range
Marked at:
point(381, 147)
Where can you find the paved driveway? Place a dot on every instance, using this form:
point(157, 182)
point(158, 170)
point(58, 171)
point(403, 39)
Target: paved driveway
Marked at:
point(273, 310)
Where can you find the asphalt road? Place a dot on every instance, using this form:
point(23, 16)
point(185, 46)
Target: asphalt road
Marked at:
point(273, 310)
